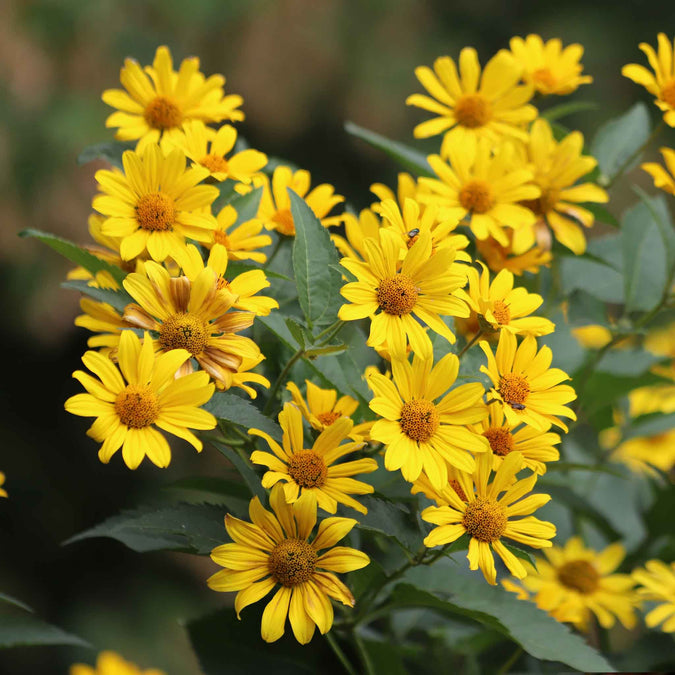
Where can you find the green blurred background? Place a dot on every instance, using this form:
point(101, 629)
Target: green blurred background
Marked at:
point(303, 68)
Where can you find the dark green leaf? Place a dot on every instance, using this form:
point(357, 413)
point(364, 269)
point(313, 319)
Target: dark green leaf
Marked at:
point(297, 331)
point(236, 410)
point(246, 205)
point(234, 495)
point(385, 658)
point(627, 362)
point(13, 601)
point(596, 279)
point(660, 215)
point(277, 325)
point(117, 299)
point(521, 553)
point(244, 468)
point(361, 581)
point(602, 215)
point(313, 352)
point(236, 267)
point(110, 151)
point(608, 249)
point(564, 109)
point(19, 629)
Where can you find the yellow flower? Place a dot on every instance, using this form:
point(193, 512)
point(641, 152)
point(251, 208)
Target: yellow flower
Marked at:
point(556, 167)
point(153, 205)
point(663, 179)
point(104, 319)
point(500, 257)
point(490, 106)
point(241, 241)
point(426, 286)
point(488, 518)
point(110, 663)
point(644, 453)
point(549, 67)
point(656, 398)
point(419, 434)
point(357, 230)
point(407, 188)
point(275, 549)
point(525, 385)
point(129, 401)
point(483, 187)
point(3, 492)
point(575, 582)
point(662, 83)
point(157, 102)
point(208, 147)
point(323, 408)
point(592, 336)
point(440, 495)
point(501, 306)
point(657, 584)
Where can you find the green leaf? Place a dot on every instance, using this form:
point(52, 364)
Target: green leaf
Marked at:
point(297, 331)
point(13, 601)
point(627, 362)
point(276, 324)
point(246, 471)
point(236, 410)
point(660, 215)
point(602, 215)
point(559, 111)
point(410, 159)
point(313, 254)
point(110, 151)
point(236, 267)
point(76, 254)
point(521, 553)
point(596, 279)
point(233, 494)
point(608, 249)
point(192, 528)
point(312, 353)
point(617, 140)
point(650, 425)
point(246, 205)
point(385, 658)
point(19, 629)
point(361, 581)
point(117, 299)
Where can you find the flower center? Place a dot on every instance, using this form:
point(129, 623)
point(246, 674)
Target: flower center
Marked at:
point(397, 295)
point(472, 111)
point(501, 312)
point(214, 163)
point(579, 575)
point(668, 93)
point(514, 389)
point(284, 222)
point(307, 469)
point(327, 418)
point(454, 484)
point(292, 562)
point(137, 406)
point(500, 439)
point(184, 331)
point(544, 77)
point(476, 196)
point(222, 284)
point(220, 237)
point(485, 519)
point(543, 204)
point(162, 113)
point(419, 419)
point(156, 212)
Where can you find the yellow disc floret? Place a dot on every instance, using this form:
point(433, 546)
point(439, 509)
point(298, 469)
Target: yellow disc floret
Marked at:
point(501, 440)
point(292, 562)
point(214, 163)
point(397, 295)
point(501, 312)
point(485, 519)
point(307, 469)
point(514, 388)
point(473, 111)
point(184, 331)
point(419, 419)
point(137, 406)
point(327, 418)
point(156, 212)
point(476, 196)
point(162, 113)
point(580, 576)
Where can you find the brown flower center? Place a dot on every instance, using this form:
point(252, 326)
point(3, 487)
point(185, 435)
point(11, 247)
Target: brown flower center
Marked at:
point(472, 111)
point(501, 312)
point(514, 388)
point(579, 575)
point(220, 237)
point(137, 406)
point(156, 212)
point(668, 93)
point(292, 562)
point(454, 484)
point(419, 419)
point(307, 469)
point(214, 163)
point(397, 295)
point(544, 77)
point(162, 113)
point(327, 418)
point(476, 196)
point(485, 519)
point(184, 331)
point(500, 439)
point(284, 222)
point(542, 204)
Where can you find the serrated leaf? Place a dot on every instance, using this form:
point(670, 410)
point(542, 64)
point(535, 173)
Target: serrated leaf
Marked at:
point(117, 299)
point(236, 410)
point(246, 471)
point(596, 279)
point(110, 151)
point(410, 159)
point(20, 629)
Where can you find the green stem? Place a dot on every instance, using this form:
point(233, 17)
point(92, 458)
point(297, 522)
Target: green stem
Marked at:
point(657, 130)
point(342, 657)
point(363, 653)
point(329, 333)
point(470, 343)
point(275, 250)
point(511, 661)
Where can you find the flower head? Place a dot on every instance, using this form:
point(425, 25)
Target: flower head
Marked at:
point(657, 584)
point(499, 257)
point(357, 230)
point(110, 663)
point(242, 241)
point(3, 492)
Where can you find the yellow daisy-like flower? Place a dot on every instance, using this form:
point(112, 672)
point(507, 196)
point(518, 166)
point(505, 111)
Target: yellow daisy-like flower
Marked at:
point(425, 285)
point(241, 241)
point(103, 319)
point(158, 101)
point(662, 83)
point(129, 401)
point(274, 549)
point(490, 105)
point(323, 408)
point(592, 336)
point(419, 433)
point(643, 454)
point(657, 584)
point(314, 469)
point(407, 188)
point(525, 385)
point(556, 167)
point(192, 315)
point(575, 582)
point(664, 178)
point(549, 67)
point(500, 257)
point(110, 663)
point(3, 492)
point(501, 306)
point(208, 148)
point(483, 187)
point(154, 204)
point(439, 495)
point(488, 518)
point(534, 445)
point(357, 230)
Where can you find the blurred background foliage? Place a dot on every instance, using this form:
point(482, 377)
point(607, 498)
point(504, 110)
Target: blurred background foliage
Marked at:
point(303, 68)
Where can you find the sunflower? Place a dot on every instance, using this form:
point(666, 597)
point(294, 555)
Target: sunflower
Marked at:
point(313, 469)
point(208, 147)
point(525, 385)
point(664, 179)
point(500, 257)
point(657, 584)
point(488, 518)
point(662, 83)
point(549, 67)
point(241, 241)
point(323, 408)
point(425, 286)
point(156, 104)
point(153, 205)
point(129, 401)
point(491, 106)
point(357, 230)
point(419, 434)
point(501, 306)
point(557, 167)
point(275, 549)
point(483, 186)
point(110, 663)
point(3, 492)
point(575, 582)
